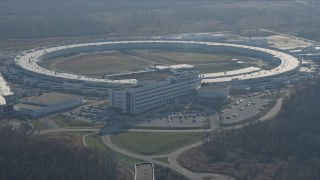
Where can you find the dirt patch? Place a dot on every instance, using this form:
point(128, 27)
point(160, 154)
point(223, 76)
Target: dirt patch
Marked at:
point(284, 42)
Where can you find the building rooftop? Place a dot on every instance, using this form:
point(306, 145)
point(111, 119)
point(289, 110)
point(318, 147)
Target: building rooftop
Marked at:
point(154, 75)
point(29, 59)
point(307, 69)
point(48, 98)
point(28, 106)
point(177, 66)
point(230, 73)
point(144, 171)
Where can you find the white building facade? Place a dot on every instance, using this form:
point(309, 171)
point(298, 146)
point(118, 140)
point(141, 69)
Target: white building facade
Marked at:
point(149, 94)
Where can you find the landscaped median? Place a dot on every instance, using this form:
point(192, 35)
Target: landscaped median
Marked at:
point(154, 143)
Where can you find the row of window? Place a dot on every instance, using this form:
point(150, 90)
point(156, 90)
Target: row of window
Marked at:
point(163, 95)
point(162, 100)
point(163, 90)
point(155, 104)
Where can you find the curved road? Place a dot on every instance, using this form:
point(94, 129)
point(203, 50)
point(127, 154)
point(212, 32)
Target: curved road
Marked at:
point(173, 156)
point(273, 111)
point(46, 131)
point(173, 164)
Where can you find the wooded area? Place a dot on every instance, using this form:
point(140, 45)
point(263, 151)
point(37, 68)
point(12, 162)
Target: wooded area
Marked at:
point(41, 19)
point(286, 148)
point(36, 157)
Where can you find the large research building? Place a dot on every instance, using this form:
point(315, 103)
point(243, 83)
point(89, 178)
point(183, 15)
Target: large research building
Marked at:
point(148, 94)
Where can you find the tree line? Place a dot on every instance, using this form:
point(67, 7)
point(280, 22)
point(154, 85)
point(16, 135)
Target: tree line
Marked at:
point(293, 137)
point(37, 157)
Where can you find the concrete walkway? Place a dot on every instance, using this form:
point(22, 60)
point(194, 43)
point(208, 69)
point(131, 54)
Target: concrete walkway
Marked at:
point(46, 131)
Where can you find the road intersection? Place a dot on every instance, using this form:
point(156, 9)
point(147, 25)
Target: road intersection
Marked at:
point(172, 157)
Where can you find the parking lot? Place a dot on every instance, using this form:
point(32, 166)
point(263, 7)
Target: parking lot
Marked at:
point(177, 115)
point(246, 107)
point(91, 111)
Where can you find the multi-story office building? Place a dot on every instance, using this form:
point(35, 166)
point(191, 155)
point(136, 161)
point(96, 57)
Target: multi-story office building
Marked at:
point(149, 94)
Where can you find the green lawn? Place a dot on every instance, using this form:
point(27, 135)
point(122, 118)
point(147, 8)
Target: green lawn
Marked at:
point(67, 122)
point(94, 141)
point(154, 143)
point(38, 124)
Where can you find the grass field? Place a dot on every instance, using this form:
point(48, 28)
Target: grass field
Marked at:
point(94, 141)
point(99, 63)
point(123, 61)
point(178, 57)
point(67, 122)
point(38, 124)
point(154, 143)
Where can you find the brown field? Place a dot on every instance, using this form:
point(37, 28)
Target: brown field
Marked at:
point(131, 60)
point(252, 33)
point(185, 57)
point(284, 42)
point(99, 63)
